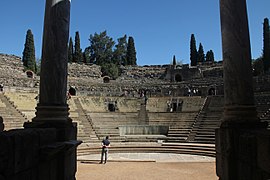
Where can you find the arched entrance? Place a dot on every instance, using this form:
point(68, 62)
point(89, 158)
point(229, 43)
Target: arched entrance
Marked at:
point(29, 74)
point(106, 79)
point(72, 91)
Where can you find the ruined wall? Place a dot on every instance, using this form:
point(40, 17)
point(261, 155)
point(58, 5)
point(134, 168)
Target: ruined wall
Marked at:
point(26, 153)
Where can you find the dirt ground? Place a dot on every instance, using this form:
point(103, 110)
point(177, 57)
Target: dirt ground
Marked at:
point(147, 171)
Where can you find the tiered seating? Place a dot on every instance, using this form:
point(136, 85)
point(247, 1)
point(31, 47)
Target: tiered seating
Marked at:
point(100, 104)
point(262, 102)
point(12, 117)
point(24, 102)
point(78, 115)
point(107, 123)
point(179, 124)
point(177, 148)
point(209, 120)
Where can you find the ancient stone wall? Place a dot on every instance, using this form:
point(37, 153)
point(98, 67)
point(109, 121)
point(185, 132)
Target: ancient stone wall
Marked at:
point(24, 153)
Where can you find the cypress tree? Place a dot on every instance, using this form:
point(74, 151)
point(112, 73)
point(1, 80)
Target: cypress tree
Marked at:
point(210, 56)
point(29, 59)
point(201, 56)
point(193, 51)
point(70, 50)
point(131, 52)
point(174, 61)
point(266, 45)
point(78, 57)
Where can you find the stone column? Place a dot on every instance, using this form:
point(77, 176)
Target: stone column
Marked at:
point(236, 139)
point(238, 87)
point(57, 159)
point(53, 79)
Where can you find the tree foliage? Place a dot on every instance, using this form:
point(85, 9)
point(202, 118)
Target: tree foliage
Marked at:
point(210, 56)
point(29, 59)
point(266, 45)
point(120, 52)
point(78, 56)
point(110, 69)
point(70, 50)
point(131, 52)
point(193, 51)
point(101, 45)
point(174, 60)
point(201, 55)
point(87, 55)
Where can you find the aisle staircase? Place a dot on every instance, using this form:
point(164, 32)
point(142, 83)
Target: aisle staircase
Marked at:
point(12, 117)
point(86, 133)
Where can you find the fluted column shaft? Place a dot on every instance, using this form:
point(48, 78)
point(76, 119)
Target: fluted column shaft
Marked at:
point(53, 78)
point(238, 86)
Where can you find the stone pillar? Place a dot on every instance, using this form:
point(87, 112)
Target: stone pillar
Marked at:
point(52, 109)
point(53, 78)
point(238, 88)
point(235, 140)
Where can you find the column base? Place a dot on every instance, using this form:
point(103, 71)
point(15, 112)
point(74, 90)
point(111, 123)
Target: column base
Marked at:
point(54, 117)
point(240, 113)
point(52, 113)
point(241, 151)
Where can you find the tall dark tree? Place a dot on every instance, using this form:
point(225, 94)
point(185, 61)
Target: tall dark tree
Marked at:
point(210, 56)
point(266, 45)
point(78, 56)
point(70, 50)
point(131, 52)
point(120, 52)
point(101, 48)
point(193, 51)
point(201, 55)
point(29, 58)
point(174, 61)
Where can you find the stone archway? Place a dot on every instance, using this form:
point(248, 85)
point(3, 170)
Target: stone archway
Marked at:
point(72, 91)
point(29, 74)
point(106, 79)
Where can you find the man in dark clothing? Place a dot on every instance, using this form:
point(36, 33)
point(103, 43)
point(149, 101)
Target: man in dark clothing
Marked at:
point(105, 149)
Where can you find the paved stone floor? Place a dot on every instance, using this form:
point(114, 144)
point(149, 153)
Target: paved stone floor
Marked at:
point(144, 166)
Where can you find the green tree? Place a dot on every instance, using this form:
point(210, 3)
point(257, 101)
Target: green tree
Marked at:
point(131, 52)
point(120, 52)
point(210, 56)
point(193, 51)
point(70, 50)
point(29, 59)
point(266, 45)
point(78, 56)
point(87, 55)
point(174, 60)
point(110, 69)
point(101, 48)
point(201, 55)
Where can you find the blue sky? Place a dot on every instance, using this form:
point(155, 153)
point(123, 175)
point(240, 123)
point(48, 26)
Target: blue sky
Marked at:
point(160, 28)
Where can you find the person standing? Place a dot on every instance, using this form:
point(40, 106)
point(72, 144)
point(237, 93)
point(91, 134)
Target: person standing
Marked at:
point(105, 149)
